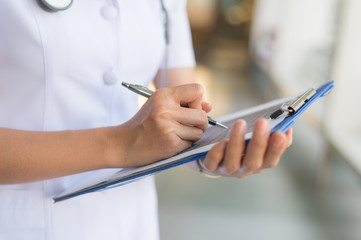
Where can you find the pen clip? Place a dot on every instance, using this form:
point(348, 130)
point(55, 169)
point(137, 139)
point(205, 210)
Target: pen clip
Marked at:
point(292, 107)
point(300, 101)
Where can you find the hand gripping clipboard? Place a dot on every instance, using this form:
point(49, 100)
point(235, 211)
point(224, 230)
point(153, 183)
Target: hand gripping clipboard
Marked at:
point(281, 114)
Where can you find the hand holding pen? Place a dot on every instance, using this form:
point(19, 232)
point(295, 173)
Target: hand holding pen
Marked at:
point(162, 128)
point(146, 92)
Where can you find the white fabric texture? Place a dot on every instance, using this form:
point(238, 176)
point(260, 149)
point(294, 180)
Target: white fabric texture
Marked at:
point(62, 71)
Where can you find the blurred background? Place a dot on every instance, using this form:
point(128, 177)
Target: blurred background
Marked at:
point(252, 51)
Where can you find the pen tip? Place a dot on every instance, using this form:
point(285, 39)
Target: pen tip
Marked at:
point(222, 125)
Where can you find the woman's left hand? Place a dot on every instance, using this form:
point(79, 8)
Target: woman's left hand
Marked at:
point(231, 158)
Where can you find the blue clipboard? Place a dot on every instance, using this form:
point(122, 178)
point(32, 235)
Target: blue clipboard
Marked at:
point(126, 176)
point(288, 122)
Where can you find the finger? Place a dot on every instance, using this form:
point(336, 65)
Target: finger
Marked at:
point(235, 147)
point(289, 135)
point(188, 133)
point(276, 147)
point(257, 146)
point(206, 107)
point(191, 117)
point(189, 95)
point(215, 155)
point(242, 171)
point(246, 174)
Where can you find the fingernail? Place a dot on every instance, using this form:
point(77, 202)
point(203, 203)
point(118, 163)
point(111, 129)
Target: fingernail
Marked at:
point(241, 126)
point(223, 170)
point(242, 170)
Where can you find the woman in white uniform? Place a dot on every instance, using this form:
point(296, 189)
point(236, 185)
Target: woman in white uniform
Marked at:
point(64, 114)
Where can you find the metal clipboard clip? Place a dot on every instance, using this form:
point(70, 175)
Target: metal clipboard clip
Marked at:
point(292, 107)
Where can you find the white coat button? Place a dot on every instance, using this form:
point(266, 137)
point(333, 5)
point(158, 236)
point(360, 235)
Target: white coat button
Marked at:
point(110, 77)
point(109, 12)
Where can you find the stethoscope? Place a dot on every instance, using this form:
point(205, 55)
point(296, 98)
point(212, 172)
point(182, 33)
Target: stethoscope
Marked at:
point(55, 5)
point(60, 5)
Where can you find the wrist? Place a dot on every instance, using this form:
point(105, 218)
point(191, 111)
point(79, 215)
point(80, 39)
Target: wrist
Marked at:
point(114, 153)
point(119, 146)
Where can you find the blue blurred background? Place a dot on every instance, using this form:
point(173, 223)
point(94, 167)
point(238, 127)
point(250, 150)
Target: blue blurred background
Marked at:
point(252, 51)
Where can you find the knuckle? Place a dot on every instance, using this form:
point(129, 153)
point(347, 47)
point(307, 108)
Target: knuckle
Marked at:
point(259, 144)
point(161, 112)
point(276, 151)
point(198, 89)
point(168, 133)
point(278, 142)
point(160, 94)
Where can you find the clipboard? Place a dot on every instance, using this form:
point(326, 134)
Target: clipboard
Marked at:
point(281, 114)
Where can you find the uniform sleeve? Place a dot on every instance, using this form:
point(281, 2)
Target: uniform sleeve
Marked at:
point(180, 52)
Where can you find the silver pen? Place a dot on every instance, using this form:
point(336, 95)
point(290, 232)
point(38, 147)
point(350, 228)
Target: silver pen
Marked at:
point(146, 92)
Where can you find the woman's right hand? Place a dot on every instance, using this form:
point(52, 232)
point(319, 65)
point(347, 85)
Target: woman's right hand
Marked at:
point(161, 128)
